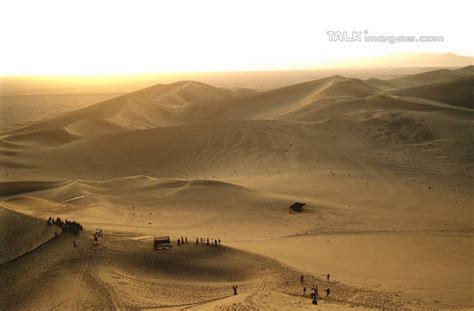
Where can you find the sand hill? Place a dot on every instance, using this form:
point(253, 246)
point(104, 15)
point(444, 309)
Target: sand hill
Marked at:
point(156, 106)
point(431, 77)
point(459, 92)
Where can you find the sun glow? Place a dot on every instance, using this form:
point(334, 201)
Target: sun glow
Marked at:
point(95, 37)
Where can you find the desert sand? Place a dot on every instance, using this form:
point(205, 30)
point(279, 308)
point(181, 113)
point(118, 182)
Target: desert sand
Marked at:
point(385, 168)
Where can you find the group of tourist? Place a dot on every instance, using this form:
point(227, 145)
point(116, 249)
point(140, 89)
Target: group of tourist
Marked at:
point(182, 240)
point(212, 241)
point(98, 233)
point(314, 290)
point(205, 241)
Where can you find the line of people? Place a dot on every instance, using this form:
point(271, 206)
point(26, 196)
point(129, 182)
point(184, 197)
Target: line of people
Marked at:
point(182, 240)
point(212, 241)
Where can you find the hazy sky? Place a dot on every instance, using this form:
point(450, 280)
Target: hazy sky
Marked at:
point(84, 37)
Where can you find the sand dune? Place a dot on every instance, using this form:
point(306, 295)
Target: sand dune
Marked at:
point(459, 92)
point(381, 84)
point(21, 234)
point(122, 273)
point(431, 77)
point(43, 138)
point(190, 102)
point(464, 71)
point(271, 104)
point(158, 203)
point(20, 110)
point(154, 106)
point(255, 147)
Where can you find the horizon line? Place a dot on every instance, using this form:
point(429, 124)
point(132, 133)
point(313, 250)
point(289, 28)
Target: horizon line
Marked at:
point(151, 73)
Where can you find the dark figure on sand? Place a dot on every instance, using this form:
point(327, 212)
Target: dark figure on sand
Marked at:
point(328, 276)
point(304, 291)
point(302, 279)
point(314, 292)
point(328, 291)
point(235, 289)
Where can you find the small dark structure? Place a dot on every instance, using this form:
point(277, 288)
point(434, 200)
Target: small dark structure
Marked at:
point(297, 207)
point(162, 242)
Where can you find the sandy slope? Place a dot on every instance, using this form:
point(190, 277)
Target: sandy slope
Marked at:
point(385, 261)
point(19, 110)
point(431, 77)
point(458, 92)
point(21, 235)
point(387, 178)
point(123, 272)
point(151, 205)
point(155, 106)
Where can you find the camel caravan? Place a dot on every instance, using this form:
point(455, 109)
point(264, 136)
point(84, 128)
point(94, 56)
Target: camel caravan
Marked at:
point(66, 226)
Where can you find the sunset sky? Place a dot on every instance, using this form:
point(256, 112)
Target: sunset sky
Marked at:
point(96, 37)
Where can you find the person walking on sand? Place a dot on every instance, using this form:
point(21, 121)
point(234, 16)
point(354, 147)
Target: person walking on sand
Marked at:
point(219, 240)
point(207, 241)
point(302, 279)
point(235, 289)
point(314, 295)
point(186, 240)
point(328, 276)
point(328, 291)
point(197, 241)
point(304, 291)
